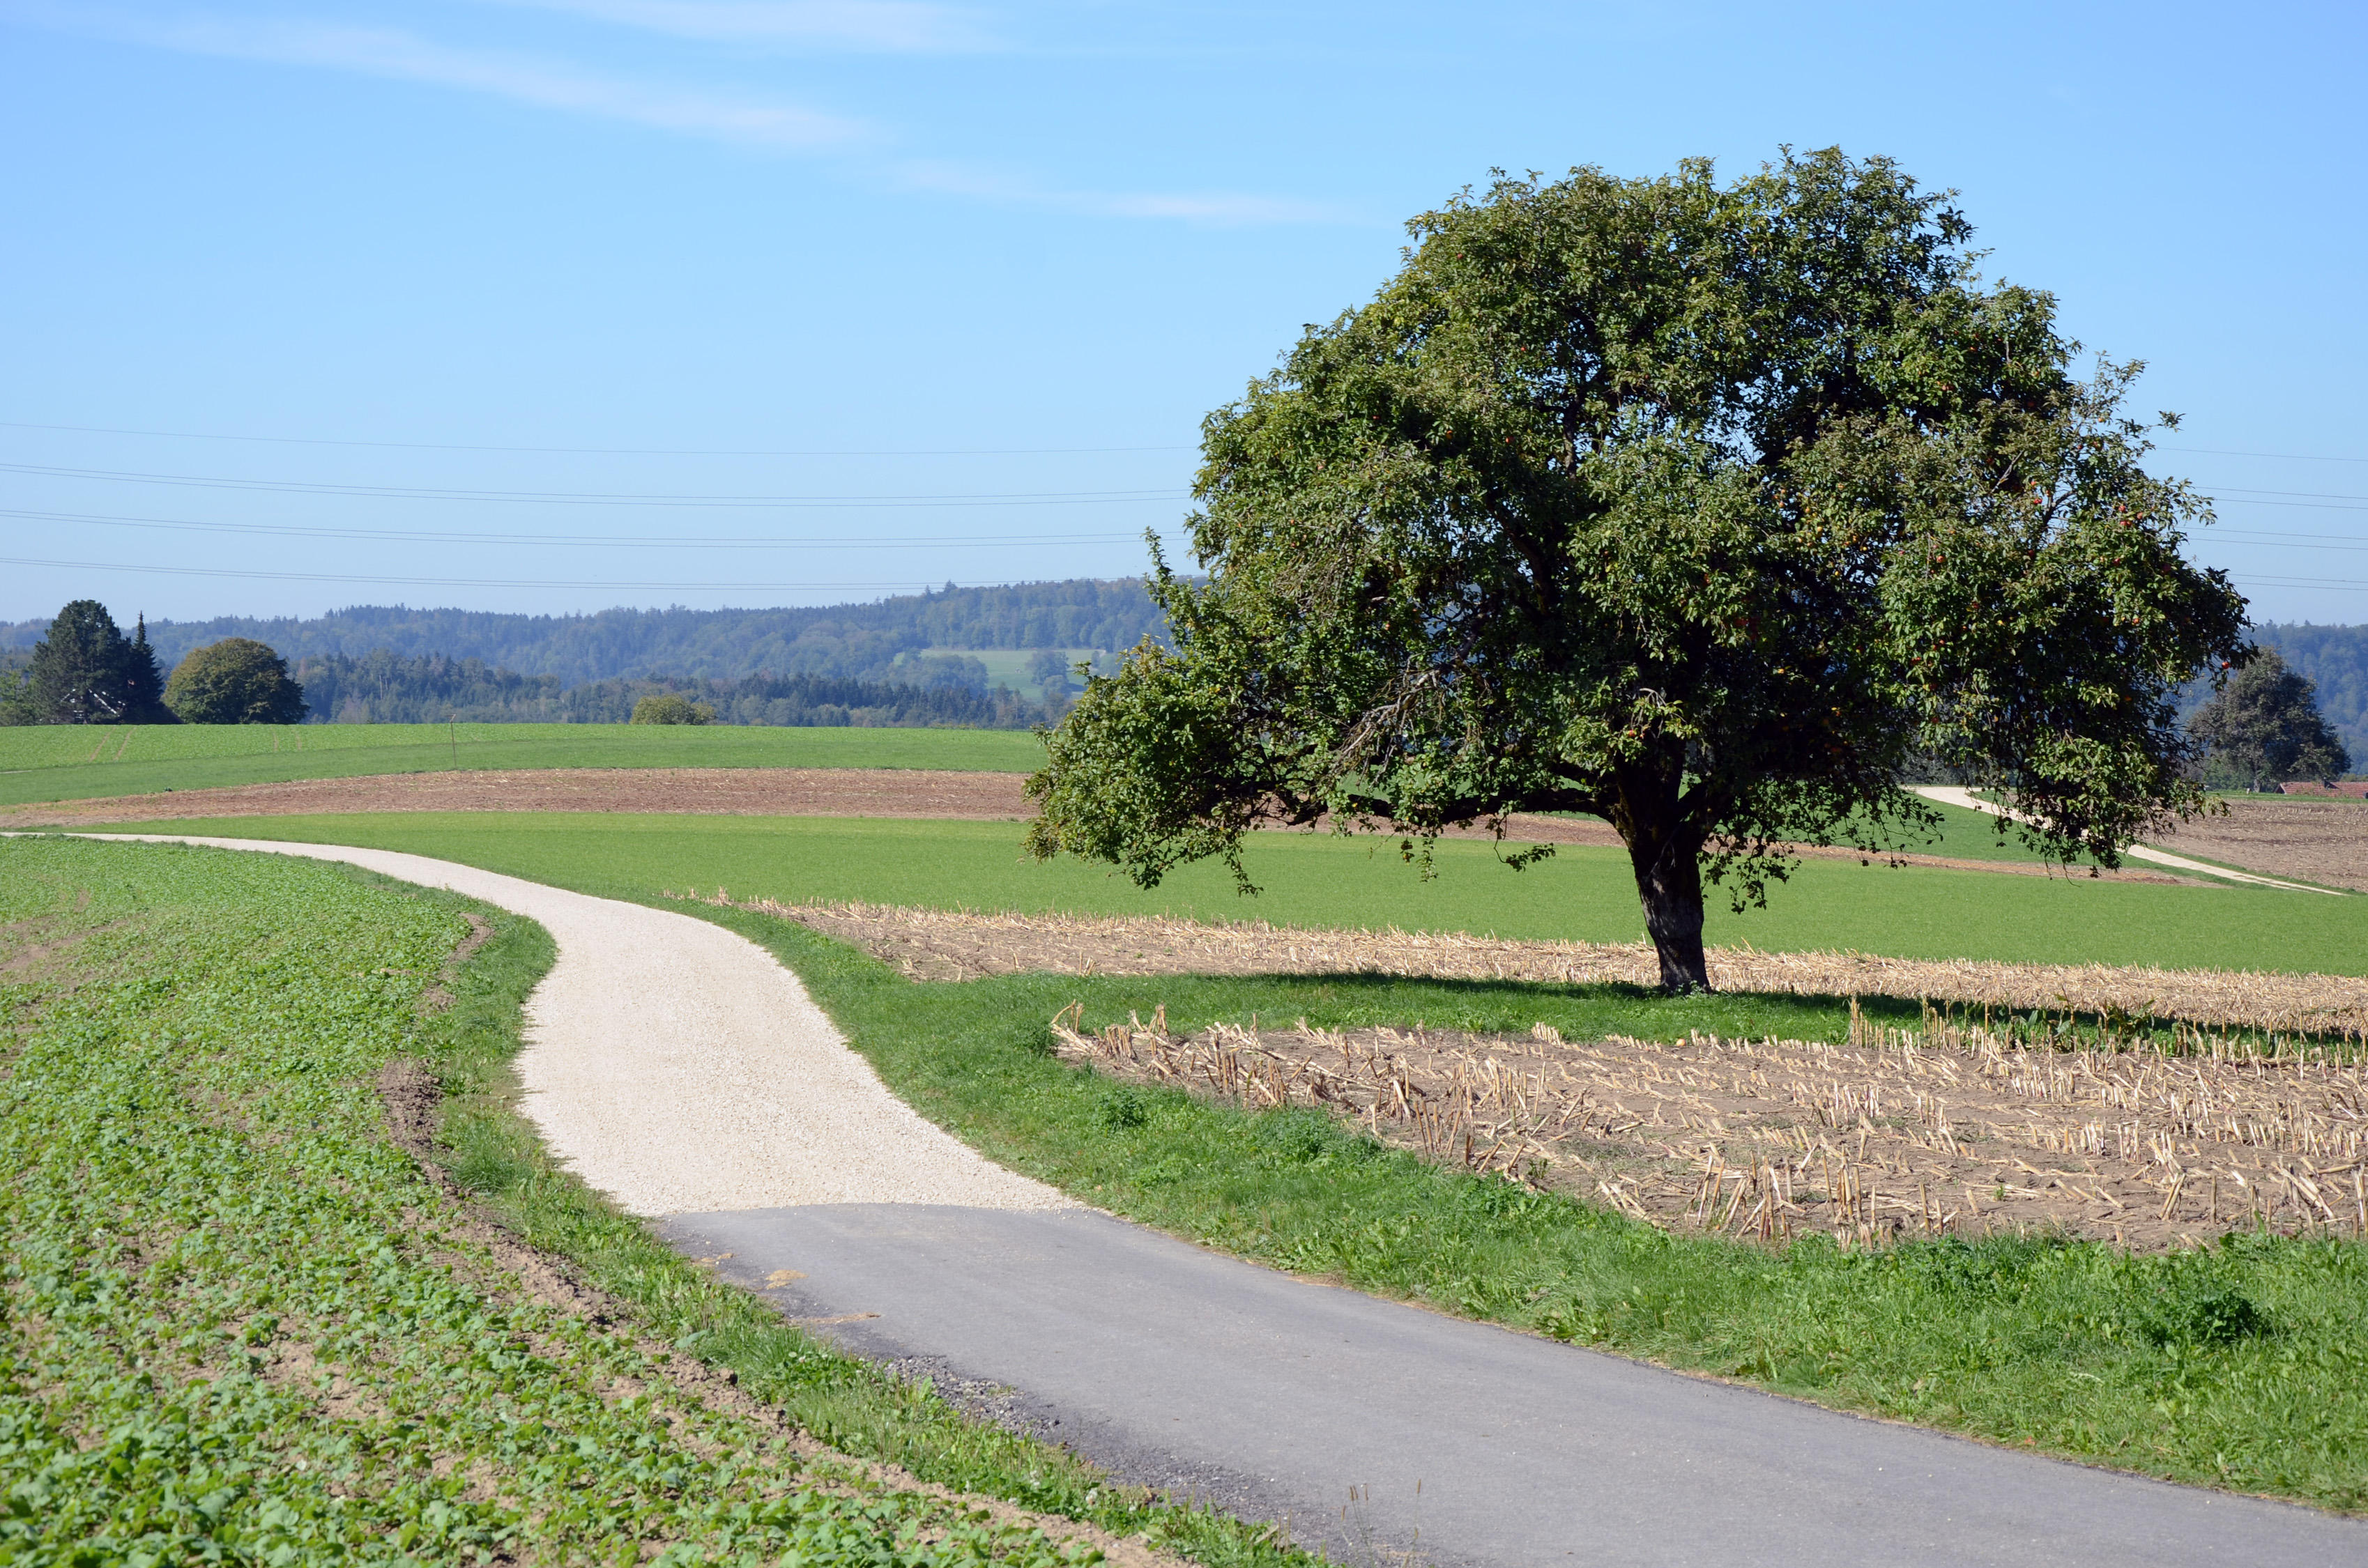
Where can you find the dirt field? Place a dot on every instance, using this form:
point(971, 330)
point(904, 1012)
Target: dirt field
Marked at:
point(938, 944)
point(721, 791)
point(1944, 1133)
point(2319, 841)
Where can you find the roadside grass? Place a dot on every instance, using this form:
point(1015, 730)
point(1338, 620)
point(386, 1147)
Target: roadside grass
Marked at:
point(73, 762)
point(1581, 893)
point(243, 1326)
point(2243, 1366)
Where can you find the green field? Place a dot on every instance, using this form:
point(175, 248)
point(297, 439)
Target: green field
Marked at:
point(73, 762)
point(239, 1326)
point(1009, 666)
point(1581, 893)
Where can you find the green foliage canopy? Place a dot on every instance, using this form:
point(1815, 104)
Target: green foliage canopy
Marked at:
point(2264, 727)
point(1703, 508)
point(671, 709)
point(234, 681)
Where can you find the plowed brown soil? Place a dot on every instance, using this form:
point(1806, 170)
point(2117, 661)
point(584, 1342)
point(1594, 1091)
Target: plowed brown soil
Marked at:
point(2318, 841)
point(719, 792)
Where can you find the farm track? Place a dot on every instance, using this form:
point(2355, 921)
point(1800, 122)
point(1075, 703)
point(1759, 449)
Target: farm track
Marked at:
point(1373, 1427)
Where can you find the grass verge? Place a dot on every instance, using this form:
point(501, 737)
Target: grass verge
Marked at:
point(242, 1326)
point(2243, 1366)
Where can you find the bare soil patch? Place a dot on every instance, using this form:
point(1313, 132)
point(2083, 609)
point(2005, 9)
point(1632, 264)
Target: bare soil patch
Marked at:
point(718, 791)
point(2318, 841)
point(942, 945)
point(1942, 1130)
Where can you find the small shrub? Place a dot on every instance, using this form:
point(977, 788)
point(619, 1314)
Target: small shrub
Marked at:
point(1123, 1108)
point(671, 709)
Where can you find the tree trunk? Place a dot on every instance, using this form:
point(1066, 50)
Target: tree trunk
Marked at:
point(1666, 854)
point(1670, 889)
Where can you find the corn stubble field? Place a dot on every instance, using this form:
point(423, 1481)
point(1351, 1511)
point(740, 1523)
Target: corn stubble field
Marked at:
point(1946, 1131)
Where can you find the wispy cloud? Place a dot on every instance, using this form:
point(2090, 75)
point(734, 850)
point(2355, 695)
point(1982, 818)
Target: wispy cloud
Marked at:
point(718, 115)
point(545, 84)
point(892, 26)
point(1213, 208)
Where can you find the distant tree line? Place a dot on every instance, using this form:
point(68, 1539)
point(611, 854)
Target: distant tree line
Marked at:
point(864, 642)
point(384, 688)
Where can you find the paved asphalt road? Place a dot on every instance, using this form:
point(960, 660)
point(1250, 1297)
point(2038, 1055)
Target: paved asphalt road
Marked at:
point(1278, 1398)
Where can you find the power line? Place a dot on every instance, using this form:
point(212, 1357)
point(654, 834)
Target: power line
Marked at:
point(631, 541)
point(595, 451)
point(2283, 457)
point(424, 582)
point(597, 498)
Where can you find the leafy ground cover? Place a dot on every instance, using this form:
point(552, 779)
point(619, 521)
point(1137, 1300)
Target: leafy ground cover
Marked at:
point(73, 762)
point(1582, 894)
point(2243, 1365)
point(242, 1326)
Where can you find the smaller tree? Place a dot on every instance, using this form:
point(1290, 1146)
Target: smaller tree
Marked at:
point(1050, 670)
point(234, 681)
point(143, 682)
point(672, 710)
point(2264, 726)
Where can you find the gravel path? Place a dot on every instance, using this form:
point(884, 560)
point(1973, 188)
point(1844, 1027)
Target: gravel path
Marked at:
point(682, 1070)
point(1955, 795)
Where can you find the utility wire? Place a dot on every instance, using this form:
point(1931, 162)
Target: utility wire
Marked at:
point(597, 451)
point(425, 582)
point(597, 498)
point(626, 541)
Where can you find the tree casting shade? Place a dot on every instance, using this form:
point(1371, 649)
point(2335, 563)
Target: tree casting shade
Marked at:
point(1706, 508)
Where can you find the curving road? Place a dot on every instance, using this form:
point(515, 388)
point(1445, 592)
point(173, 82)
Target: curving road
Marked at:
point(680, 1068)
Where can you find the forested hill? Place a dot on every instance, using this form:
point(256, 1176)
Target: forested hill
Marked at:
point(864, 642)
point(2337, 658)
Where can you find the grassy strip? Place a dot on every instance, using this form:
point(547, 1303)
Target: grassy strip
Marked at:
point(72, 761)
point(1582, 894)
point(237, 1324)
point(2244, 1365)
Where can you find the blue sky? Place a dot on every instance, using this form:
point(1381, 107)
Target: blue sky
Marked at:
point(886, 293)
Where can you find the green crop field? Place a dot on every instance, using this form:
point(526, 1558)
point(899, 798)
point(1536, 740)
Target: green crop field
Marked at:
point(72, 761)
point(1581, 893)
point(239, 1326)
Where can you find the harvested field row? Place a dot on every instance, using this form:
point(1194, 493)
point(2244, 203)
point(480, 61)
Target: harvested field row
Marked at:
point(1942, 1130)
point(940, 945)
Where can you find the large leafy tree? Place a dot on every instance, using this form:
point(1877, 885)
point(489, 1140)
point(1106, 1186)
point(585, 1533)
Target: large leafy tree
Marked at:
point(1707, 508)
point(234, 681)
point(2264, 726)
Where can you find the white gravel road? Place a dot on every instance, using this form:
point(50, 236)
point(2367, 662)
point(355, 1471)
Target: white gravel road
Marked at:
point(680, 1069)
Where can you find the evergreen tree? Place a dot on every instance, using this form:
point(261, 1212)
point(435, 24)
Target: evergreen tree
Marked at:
point(144, 683)
point(78, 670)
